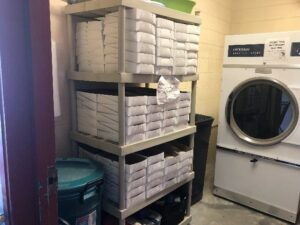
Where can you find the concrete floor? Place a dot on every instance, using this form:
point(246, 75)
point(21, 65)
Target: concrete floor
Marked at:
point(216, 211)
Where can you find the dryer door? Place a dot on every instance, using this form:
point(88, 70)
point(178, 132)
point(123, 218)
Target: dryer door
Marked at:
point(262, 111)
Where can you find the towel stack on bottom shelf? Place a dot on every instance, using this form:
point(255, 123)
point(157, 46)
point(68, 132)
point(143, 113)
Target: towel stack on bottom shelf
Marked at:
point(89, 46)
point(155, 169)
point(140, 41)
point(135, 175)
point(147, 172)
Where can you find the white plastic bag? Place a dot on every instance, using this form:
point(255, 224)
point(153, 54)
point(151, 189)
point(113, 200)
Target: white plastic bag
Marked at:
point(167, 90)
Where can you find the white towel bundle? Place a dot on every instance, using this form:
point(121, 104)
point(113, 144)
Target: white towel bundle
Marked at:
point(192, 47)
point(140, 42)
point(180, 38)
point(89, 46)
point(108, 120)
point(164, 50)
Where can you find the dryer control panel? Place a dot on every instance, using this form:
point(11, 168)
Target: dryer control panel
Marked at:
point(249, 50)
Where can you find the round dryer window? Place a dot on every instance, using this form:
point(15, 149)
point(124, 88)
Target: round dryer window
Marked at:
point(262, 111)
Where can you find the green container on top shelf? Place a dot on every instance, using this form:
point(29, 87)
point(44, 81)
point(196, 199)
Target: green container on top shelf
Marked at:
point(180, 5)
point(80, 185)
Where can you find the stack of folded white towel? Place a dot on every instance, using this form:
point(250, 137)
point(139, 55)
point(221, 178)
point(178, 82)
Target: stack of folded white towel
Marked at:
point(170, 117)
point(155, 171)
point(171, 166)
point(108, 117)
point(192, 47)
point(183, 110)
point(89, 46)
point(164, 50)
point(180, 57)
point(98, 114)
point(135, 176)
point(139, 41)
point(185, 161)
point(87, 113)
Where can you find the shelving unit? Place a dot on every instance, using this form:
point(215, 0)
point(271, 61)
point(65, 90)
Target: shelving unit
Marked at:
point(92, 9)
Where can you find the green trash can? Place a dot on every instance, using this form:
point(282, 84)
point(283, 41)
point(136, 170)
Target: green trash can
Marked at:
point(80, 186)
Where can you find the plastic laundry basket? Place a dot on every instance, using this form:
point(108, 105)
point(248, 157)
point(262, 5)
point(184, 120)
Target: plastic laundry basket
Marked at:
point(180, 5)
point(80, 185)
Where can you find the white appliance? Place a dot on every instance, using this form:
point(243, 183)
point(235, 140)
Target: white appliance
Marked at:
point(258, 147)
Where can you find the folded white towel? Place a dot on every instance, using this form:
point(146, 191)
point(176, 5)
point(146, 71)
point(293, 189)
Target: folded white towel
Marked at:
point(154, 125)
point(179, 45)
point(164, 52)
point(132, 139)
point(169, 122)
point(139, 68)
point(182, 37)
point(184, 118)
point(110, 40)
point(185, 96)
point(140, 58)
point(165, 23)
point(138, 47)
point(164, 42)
point(164, 33)
point(193, 38)
point(184, 104)
point(180, 27)
point(192, 47)
point(180, 62)
point(134, 25)
point(131, 25)
point(95, 25)
point(170, 114)
point(192, 55)
point(111, 68)
point(191, 70)
point(163, 71)
point(180, 54)
point(164, 61)
point(153, 133)
point(142, 15)
point(184, 111)
point(169, 129)
point(192, 62)
point(97, 68)
point(141, 37)
point(179, 70)
point(152, 117)
point(192, 29)
point(111, 49)
point(111, 59)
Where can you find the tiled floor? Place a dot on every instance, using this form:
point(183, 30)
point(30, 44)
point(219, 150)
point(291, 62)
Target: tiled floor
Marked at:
point(216, 211)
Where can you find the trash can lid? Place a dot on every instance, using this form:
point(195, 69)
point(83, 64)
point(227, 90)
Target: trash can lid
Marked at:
point(74, 174)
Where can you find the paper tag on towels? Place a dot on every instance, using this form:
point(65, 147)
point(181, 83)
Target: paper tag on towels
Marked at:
point(167, 90)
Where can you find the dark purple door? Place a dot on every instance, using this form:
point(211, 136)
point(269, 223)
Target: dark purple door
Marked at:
point(27, 152)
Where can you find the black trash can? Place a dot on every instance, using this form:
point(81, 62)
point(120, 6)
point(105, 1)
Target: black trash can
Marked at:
point(202, 137)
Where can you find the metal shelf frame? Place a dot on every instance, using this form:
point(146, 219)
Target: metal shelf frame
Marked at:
point(127, 78)
point(95, 8)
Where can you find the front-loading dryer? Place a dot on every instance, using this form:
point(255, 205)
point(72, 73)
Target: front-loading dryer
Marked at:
point(258, 145)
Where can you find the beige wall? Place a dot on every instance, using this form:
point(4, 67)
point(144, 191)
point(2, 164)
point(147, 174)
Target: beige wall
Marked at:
point(216, 21)
point(59, 36)
point(256, 16)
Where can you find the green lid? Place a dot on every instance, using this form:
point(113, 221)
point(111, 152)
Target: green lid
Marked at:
point(74, 174)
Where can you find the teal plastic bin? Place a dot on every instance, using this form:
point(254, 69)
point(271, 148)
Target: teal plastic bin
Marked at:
point(80, 186)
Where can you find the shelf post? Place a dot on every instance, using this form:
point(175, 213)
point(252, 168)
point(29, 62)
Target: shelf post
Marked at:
point(122, 39)
point(72, 86)
point(189, 201)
